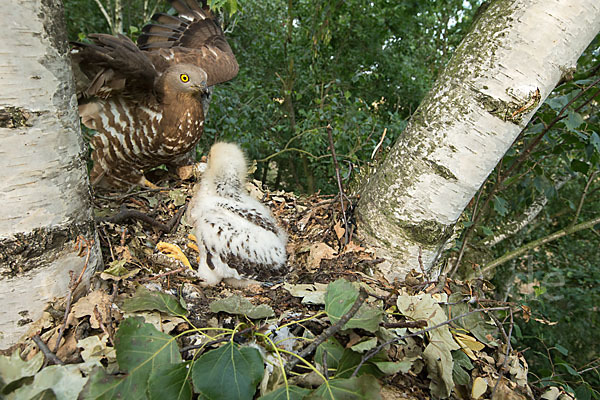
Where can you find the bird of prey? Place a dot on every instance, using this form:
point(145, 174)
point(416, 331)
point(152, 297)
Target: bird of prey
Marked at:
point(238, 237)
point(145, 100)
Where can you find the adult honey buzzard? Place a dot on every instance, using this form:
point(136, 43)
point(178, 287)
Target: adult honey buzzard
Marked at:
point(145, 100)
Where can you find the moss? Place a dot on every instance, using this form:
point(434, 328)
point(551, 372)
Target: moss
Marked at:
point(428, 232)
point(26, 251)
point(443, 171)
point(52, 15)
point(15, 117)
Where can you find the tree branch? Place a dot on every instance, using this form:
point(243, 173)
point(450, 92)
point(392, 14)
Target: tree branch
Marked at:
point(514, 226)
point(377, 349)
point(106, 16)
point(556, 235)
point(583, 194)
point(362, 296)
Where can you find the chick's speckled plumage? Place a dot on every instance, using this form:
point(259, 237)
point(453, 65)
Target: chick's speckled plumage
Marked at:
point(238, 237)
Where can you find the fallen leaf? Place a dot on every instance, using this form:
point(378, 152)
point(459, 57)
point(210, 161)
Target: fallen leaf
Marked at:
point(242, 306)
point(353, 247)
point(311, 293)
point(85, 306)
point(318, 252)
point(185, 172)
point(468, 344)
point(339, 229)
point(479, 388)
point(304, 221)
point(178, 197)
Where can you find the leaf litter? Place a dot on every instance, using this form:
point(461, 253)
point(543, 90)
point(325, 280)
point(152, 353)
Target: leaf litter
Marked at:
point(147, 329)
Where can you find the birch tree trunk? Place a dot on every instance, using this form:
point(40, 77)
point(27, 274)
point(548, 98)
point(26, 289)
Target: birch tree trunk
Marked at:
point(44, 190)
point(503, 70)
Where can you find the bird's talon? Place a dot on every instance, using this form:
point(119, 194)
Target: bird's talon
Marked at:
point(173, 251)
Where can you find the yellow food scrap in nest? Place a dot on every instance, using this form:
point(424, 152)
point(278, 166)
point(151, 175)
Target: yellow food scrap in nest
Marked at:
point(173, 251)
point(191, 245)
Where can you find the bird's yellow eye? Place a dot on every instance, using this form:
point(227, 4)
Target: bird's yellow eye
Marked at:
point(184, 78)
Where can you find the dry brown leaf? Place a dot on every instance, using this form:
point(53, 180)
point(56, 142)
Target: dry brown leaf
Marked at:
point(185, 172)
point(85, 306)
point(304, 221)
point(353, 339)
point(353, 247)
point(68, 347)
point(318, 252)
point(339, 229)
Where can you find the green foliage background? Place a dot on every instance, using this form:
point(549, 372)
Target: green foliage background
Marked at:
point(363, 68)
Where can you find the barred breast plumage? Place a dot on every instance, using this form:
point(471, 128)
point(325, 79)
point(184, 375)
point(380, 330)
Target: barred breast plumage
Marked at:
point(145, 101)
point(238, 238)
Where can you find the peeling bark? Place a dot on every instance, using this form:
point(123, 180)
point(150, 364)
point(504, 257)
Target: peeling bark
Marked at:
point(515, 54)
point(43, 179)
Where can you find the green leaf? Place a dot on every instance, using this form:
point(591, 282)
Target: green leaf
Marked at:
point(583, 393)
point(334, 352)
point(290, 393)
point(239, 305)
point(14, 368)
point(569, 369)
point(393, 367)
point(170, 382)
point(561, 349)
point(462, 364)
point(365, 345)
point(361, 387)
point(339, 299)
point(102, 386)
point(595, 141)
point(500, 205)
point(141, 351)
point(47, 394)
point(228, 372)
point(117, 268)
point(557, 103)
point(145, 299)
point(65, 381)
point(574, 121)
point(486, 231)
point(580, 166)
point(350, 360)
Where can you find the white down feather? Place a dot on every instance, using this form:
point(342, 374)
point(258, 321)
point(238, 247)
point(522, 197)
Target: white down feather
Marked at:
point(237, 234)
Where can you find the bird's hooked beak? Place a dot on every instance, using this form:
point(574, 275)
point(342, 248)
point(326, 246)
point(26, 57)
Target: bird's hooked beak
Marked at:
point(199, 87)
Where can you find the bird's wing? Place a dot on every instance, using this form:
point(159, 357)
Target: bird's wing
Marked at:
point(191, 37)
point(114, 64)
point(241, 235)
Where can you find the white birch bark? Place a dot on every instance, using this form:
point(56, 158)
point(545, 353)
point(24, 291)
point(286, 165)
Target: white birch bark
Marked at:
point(118, 28)
point(500, 74)
point(43, 180)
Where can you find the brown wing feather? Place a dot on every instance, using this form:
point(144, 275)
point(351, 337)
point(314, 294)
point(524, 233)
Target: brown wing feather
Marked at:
point(115, 63)
point(192, 37)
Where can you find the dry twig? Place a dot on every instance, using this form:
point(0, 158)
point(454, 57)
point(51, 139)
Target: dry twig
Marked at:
point(50, 356)
point(327, 333)
point(377, 349)
point(339, 182)
point(82, 243)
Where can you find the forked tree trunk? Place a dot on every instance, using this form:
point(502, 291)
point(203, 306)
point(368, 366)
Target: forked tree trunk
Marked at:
point(44, 193)
point(503, 70)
